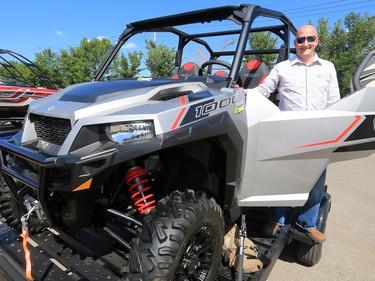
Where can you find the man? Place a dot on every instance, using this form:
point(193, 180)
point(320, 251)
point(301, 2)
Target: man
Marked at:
point(305, 82)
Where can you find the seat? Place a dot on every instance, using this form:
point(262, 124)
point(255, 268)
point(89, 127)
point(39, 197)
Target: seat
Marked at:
point(188, 69)
point(221, 73)
point(252, 74)
point(282, 54)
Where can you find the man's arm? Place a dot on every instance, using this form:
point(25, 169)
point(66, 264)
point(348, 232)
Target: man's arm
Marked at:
point(334, 91)
point(270, 84)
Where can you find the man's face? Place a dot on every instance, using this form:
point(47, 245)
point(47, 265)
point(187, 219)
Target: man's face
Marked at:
point(304, 47)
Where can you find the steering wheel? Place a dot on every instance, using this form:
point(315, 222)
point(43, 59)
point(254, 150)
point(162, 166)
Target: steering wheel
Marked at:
point(210, 62)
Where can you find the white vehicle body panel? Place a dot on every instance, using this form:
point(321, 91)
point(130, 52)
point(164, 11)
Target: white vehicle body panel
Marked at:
point(287, 151)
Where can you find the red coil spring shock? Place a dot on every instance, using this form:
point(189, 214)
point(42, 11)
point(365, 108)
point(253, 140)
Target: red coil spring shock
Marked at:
point(138, 182)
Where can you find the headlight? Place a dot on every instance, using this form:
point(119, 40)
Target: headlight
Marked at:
point(136, 130)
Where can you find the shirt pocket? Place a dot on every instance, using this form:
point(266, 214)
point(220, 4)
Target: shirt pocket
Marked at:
point(322, 80)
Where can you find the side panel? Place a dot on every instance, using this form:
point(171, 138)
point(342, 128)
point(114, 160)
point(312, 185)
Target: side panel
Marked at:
point(287, 151)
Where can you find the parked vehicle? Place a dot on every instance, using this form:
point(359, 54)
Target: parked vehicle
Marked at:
point(139, 179)
point(16, 90)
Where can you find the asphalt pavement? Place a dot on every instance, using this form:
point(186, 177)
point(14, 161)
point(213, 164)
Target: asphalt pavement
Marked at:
point(349, 251)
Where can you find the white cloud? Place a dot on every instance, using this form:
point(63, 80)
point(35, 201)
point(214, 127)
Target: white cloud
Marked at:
point(59, 33)
point(130, 46)
point(101, 37)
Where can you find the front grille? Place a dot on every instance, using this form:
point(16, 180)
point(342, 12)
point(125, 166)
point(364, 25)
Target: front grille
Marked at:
point(51, 129)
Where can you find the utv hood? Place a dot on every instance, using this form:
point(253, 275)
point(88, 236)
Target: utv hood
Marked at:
point(112, 98)
point(99, 91)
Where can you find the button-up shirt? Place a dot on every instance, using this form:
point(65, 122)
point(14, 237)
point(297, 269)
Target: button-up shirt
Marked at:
point(301, 86)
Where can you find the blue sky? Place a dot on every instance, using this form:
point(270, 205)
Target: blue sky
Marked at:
point(29, 26)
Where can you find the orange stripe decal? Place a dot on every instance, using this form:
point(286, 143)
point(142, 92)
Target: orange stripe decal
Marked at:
point(175, 123)
point(180, 114)
point(357, 119)
point(183, 99)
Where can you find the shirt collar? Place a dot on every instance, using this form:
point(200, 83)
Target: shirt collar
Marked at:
point(296, 60)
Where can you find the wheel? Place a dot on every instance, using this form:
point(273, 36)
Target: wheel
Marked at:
point(11, 212)
point(211, 62)
point(309, 254)
point(181, 240)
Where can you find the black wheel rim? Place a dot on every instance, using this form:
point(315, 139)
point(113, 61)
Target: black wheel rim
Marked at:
point(197, 259)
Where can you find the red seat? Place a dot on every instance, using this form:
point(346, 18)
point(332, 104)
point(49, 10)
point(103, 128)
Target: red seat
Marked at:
point(221, 73)
point(188, 69)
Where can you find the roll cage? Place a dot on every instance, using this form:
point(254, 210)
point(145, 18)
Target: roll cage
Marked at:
point(9, 61)
point(243, 15)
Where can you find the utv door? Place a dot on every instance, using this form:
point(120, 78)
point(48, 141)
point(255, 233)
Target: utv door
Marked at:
point(286, 152)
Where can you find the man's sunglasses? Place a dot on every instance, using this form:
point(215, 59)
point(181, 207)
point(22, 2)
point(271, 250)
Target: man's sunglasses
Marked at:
point(310, 39)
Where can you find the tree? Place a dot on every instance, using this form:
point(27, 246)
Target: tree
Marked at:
point(80, 64)
point(127, 67)
point(323, 33)
point(16, 70)
point(346, 45)
point(160, 59)
point(260, 41)
point(49, 62)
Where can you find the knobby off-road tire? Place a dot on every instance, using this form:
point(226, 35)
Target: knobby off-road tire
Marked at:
point(11, 212)
point(181, 240)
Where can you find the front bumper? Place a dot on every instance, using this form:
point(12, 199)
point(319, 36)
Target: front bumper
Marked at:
point(48, 176)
